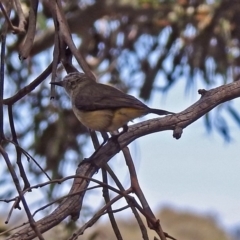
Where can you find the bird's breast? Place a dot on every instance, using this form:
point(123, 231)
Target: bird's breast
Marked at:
point(107, 120)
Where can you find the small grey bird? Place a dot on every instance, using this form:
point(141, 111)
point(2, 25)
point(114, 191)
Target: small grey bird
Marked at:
point(101, 107)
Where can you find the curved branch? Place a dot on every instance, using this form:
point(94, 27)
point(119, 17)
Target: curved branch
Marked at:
point(72, 205)
point(24, 91)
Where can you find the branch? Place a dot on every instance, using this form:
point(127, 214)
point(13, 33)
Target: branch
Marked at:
point(20, 28)
point(28, 41)
point(72, 206)
point(22, 20)
point(66, 35)
point(24, 91)
point(20, 192)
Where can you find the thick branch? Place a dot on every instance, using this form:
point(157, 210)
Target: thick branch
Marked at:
point(72, 205)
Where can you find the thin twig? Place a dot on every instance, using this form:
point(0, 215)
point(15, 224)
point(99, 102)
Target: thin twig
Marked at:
point(56, 55)
point(14, 228)
point(28, 156)
point(59, 181)
point(11, 26)
point(21, 196)
point(2, 63)
point(61, 198)
point(120, 209)
point(18, 151)
point(114, 177)
point(106, 190)
point(66, 34)
point(8, 200)
point(28, 42)
point(138, 191)
point(130, 203)
point(109, 210)
point(2, 67)
point(22, 20)
point(67, 61)
point(15, 205)
point(97, 216)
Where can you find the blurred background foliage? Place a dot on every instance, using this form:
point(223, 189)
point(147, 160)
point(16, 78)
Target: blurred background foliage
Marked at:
point(141, 45)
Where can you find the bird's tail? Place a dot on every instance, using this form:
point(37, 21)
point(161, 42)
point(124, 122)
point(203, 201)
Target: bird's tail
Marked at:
point(159, 111)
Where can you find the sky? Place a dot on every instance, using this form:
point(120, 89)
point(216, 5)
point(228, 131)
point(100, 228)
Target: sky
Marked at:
point(198, 173)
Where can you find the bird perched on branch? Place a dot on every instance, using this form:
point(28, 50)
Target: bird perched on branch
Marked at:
point(101, 107)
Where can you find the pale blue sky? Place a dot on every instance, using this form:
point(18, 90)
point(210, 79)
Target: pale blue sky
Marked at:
point(198, 172)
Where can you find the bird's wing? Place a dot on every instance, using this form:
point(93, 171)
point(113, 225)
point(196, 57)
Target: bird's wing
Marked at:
point(100, 96)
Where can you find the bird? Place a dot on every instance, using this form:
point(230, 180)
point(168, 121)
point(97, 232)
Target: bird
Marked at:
point(101, 107)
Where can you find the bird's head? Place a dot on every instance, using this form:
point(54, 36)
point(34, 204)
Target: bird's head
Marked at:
point(72, 81)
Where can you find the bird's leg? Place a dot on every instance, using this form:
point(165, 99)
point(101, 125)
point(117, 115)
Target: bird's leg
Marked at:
point(125, 129)
point(105, 139)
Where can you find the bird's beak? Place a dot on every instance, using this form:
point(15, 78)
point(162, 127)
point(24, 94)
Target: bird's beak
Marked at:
point(60, 83)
